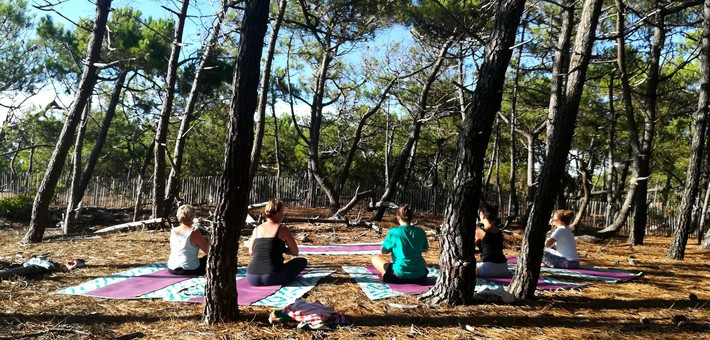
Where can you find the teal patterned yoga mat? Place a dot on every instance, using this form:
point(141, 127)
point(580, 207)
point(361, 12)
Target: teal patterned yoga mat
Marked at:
point(586, 272)
point(283, 297)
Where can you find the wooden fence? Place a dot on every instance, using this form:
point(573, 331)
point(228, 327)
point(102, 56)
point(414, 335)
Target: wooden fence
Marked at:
point(107, 192)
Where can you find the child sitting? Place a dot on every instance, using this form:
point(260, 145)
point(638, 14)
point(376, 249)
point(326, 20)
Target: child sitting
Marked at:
point(406, 243)
point(565, 253)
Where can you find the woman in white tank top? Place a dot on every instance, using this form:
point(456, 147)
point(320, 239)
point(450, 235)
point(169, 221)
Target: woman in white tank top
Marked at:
point(185, 244)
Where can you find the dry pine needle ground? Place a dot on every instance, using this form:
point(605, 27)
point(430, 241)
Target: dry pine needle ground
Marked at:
point(641, 309)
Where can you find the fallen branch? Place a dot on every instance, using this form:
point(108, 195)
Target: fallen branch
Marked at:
point(357, 198)
point(315, 220)
point(150, 224)
point(379, 204)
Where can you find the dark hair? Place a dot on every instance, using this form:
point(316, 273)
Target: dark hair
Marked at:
point(405, 213)
point(490, 212)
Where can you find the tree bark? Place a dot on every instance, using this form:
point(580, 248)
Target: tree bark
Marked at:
point(40, 208)
point(30, 165)
point(405, 154)
point(220, 290)
point(358, 136)
point(457, 279)
point(513, 204)
point(528, 269)
point(69, 217)
point(173, 186)
point(264, 89)
point(161, 134)
point(649, 126)
point(586, 182)
point(635, 147)
point(86, 175)
point(560, 65)
point(611, 170)
point(682, 228)
point(704, 211)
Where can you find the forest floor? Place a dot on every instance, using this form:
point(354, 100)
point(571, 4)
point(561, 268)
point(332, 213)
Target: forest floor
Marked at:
point(644, 308)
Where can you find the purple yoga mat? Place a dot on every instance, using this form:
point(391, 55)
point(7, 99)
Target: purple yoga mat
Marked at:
point(341, 248)
point(138, 285)
point(619, 275)
point(248, 294)
point(404, 288)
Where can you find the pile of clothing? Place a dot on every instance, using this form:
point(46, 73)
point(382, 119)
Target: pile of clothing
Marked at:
point(308, 315)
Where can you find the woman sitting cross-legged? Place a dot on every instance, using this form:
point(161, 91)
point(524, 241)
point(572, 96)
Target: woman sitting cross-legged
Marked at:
point(268, 243)
point(185, 244)
point(489, 239)
point(565, 253)
point(406, 243)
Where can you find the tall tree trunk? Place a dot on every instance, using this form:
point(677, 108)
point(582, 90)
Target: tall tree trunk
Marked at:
point(704, 212)
point(487, 189)
point(388, 146)
point(461, 75)
point(666, 191)
point(161, 134)
point(69, 217)
point(649, 126)
point(264, 89)
point(173, 186)
point(220, 290)
point(560, 65)
point(586, 181)
point(635, 147)
point(40, 208)
point(405, 154)
point(528, 269)
point(345, 171)
point(457, 281)
point(87, 174)
point(682, 228)
point(611, 170)
point(513, 199)
point(314, 164)
point(30, 165)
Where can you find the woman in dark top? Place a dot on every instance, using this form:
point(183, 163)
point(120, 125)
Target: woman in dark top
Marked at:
point(489, 240)
point(268, 243)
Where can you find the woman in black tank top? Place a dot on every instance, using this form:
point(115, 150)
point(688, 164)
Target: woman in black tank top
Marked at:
point(268, 243)
point(489, 239)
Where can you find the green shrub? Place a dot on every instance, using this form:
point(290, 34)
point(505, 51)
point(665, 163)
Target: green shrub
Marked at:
point(17, 208)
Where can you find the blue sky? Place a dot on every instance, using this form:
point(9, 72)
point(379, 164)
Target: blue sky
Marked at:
point(201, 14)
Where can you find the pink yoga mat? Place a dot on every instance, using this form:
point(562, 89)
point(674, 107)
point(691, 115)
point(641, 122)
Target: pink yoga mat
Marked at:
point(341, 248)
point(404, 288)
point(416, 289)
point(248, 294)
point(585, 270)
point(138, 285)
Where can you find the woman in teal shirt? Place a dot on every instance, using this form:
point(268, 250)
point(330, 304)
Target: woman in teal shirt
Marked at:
point(406, 243)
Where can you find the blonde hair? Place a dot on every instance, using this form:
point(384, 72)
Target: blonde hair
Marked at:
point(273, 207)
point(405, 213)
point(185, 213)
point(565, 216)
